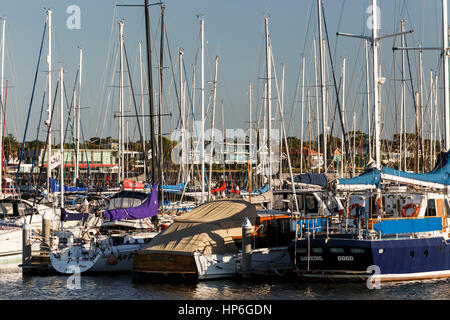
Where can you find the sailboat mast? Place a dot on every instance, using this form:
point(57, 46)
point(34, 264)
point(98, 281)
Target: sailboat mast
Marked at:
point(49, 110)
point(183, 120)
point(317, 102)
point(269, 99)
point(403, 104)
point(2, 99)
point(375, 45)
point(212, 130)
point(302, 112)
point(445, 74)
point(150, 93)
point(343, 118)
point(77, 121)
point(202, 139)
point(322, 86)
point(144, 151)
point(161, 64)
point(121, 102)
point(368, 99)
point(61, 147)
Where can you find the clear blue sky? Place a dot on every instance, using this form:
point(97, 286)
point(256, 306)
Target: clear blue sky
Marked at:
point(234, 32)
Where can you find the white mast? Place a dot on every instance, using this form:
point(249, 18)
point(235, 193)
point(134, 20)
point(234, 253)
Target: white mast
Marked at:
point(121, 127)
point(61, 147)
point(322, 86)
point(302, 112)
point(375, 45)
point(403, 104)
point(445, 74)
point(368, 99)
point(212, 131)
point(317, 101)
point(77, 120)
point(282, 108)
point(343, 117)
point(431, 120)
point(269, 98)
point(183, 120)
point(142, 108)
point(49, 110)
point(2, 97)
point(202, 140)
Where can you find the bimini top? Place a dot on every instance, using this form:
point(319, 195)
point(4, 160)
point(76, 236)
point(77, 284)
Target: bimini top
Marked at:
point(208, 229)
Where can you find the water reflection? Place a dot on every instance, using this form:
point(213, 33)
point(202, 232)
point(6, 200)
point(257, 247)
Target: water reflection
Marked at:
point(13, 285)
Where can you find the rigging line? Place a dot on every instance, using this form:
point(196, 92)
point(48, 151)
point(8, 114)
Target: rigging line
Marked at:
point(135, 107)
point(337, 95)
point(338, 28)
point(41, 171)
point(85, 150)
point(31, 103)
point(71, 104)
point(36, 142)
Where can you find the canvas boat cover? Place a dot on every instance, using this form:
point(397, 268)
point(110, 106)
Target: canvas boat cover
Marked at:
point(208, 229)
point(318, 179)
point(148, 208)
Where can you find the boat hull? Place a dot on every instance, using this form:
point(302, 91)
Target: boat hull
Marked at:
point(385, 259)
point(10, 248)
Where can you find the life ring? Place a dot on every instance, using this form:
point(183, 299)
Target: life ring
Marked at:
point(352, 207)
point(409, 205)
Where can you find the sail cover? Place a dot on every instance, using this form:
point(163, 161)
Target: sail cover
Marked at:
point(368, 179)
point(147, 209)
point(173, 188)
point(318, 179)
point(440, 175)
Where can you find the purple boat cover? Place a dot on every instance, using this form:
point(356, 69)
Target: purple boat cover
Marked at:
point(147, 209)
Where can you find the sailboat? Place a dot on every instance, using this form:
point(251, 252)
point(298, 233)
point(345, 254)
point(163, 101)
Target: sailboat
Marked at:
point(109, 246)
point(395, 226)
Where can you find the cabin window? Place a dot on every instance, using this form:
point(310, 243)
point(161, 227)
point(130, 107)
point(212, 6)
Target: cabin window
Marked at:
point(301, 250)
point(425, 253)
point(7, 209)
point(431, 208)
point(357, 250)
point(336, 250)
point(411, 254)
point(311, 203)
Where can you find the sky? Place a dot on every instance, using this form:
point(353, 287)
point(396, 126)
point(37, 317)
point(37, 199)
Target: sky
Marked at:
point(234, 31)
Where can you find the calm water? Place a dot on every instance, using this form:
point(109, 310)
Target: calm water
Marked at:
point(15, 286)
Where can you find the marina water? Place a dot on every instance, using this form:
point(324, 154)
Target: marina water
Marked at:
point(15, 286)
